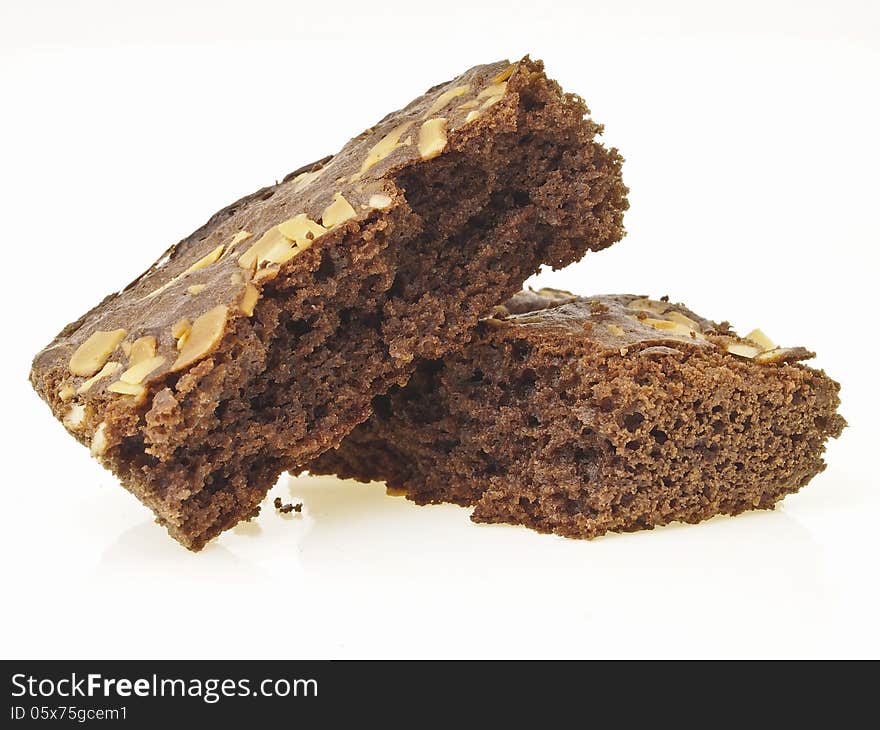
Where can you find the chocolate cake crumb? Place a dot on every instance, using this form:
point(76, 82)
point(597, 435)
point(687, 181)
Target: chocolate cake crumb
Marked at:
point(650, 415)
point(260, 340)
point(287, 508)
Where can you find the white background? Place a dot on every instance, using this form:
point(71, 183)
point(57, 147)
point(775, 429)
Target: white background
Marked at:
point(751, 138)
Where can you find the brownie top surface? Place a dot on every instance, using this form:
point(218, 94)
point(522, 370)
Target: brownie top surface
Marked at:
point(628, 324)
point(176, 312)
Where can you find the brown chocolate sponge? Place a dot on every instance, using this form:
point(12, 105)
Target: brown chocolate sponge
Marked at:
point(260, 340)
point(581, 416)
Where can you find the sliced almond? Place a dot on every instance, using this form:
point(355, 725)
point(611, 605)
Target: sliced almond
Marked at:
point(266, 273)
point(91, 355)
point(302, 230)
point(272, 244)
point(249, 300)
point(205, 335)
point(678, 328)
point(444, 99)
point(181, 327)
point(276, 244)
point(760, 339)
point(99, 440)
point(136, 373)
point(742, 350)
point(648, 305)
point(683, 319)
point(107, 371)
point(379, 201)
point(239, 237)
point(303, 180)
point(383, 147)
point(663, 324)
point(783, 354)
point(206, 260)
point(126, 388)
point(195, 289)
point(337, 212)
point(75, 416)
point(499, 89)
point(432, 138)
point(504, 75)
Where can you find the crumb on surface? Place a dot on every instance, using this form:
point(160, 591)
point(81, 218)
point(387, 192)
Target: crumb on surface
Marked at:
point(287, 508)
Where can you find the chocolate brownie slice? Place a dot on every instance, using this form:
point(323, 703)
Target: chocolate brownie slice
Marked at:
point(581, 416)
point(259, 341)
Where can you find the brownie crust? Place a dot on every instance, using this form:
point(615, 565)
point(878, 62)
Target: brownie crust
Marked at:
point(582, 416)
point(258, 342)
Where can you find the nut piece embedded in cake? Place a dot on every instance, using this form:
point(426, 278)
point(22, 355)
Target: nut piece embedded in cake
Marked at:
point(784, 354)
point(249, 300)
point(141, 369)
point(383, 147)
point(75, 416)
point(126, 388)
point(109, 369)
point(432, 138)
point(91, 355)
point(446, 97)
point(99, 440)
point(742, 350)
point(504, 75)
point(301, 230)
point(282, 242)
point(180, 332)
point(379, 201)
point(206, 332)
point(143, 348)
point(206, 260)
point(273, 247)
point(760, 339)
point(337, 212)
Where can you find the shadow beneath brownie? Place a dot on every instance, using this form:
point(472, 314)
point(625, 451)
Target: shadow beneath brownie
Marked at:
point(391, 530)
point(709, 584)
point(351, 535)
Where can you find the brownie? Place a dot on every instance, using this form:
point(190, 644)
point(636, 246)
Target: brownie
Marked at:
point(259, 341)
point(581, 416)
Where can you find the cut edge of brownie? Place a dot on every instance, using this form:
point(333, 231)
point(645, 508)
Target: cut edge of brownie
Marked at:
point(593, 416)
point(207, 443)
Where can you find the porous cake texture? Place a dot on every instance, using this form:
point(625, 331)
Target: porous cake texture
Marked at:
point(581, 416)
point(259, 341)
